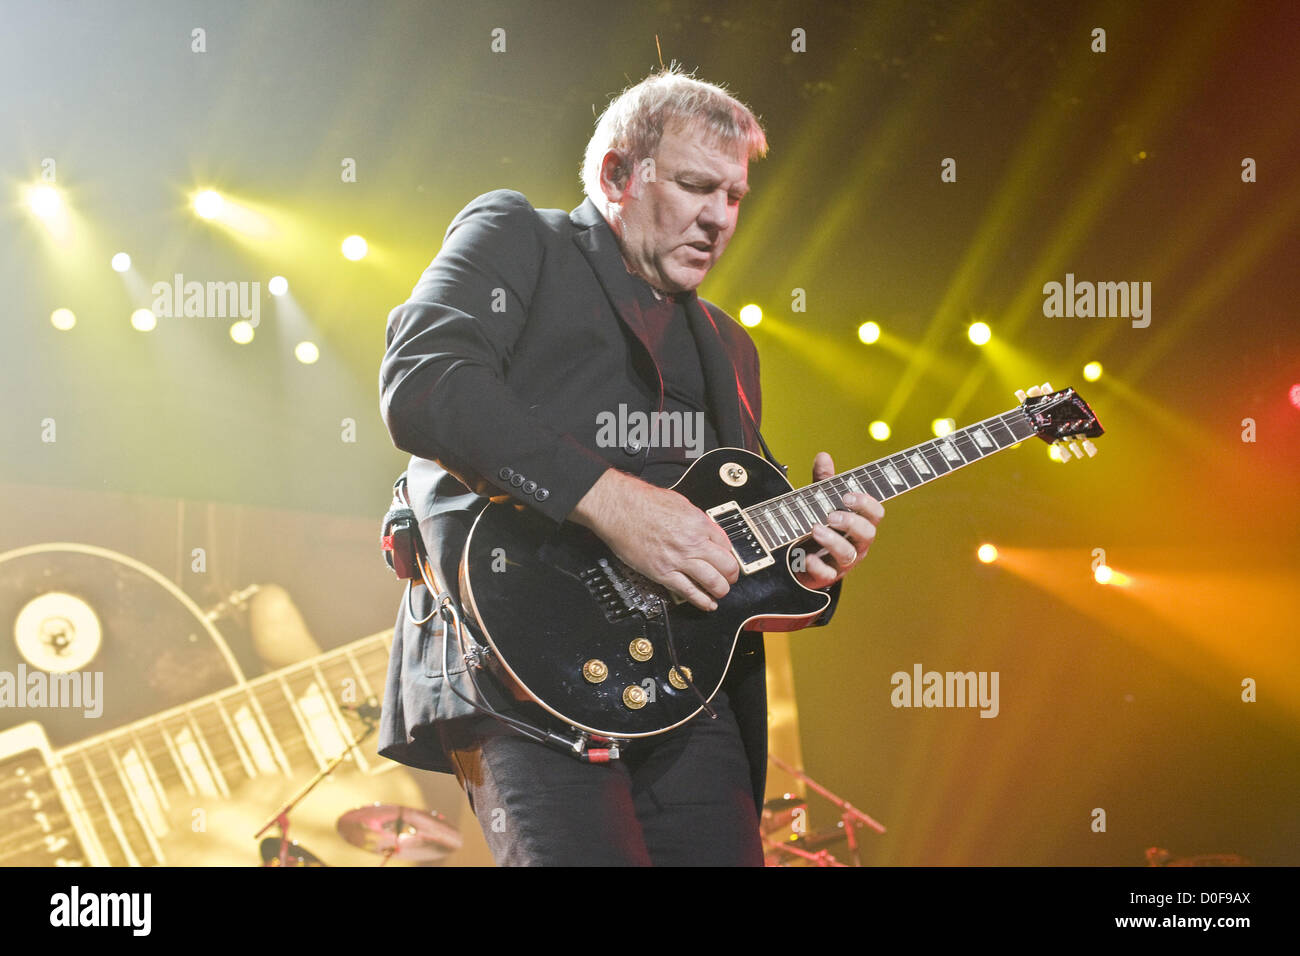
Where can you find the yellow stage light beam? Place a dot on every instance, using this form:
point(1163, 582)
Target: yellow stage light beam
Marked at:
point(1190, 620)
point(878, 430)
point(237, 216)
point(869, 333)
point(63, 319)
point(767, 211)
point(751, 315)
point(845, 209)
point(208, 204)
point(242, 332)
point(1171, 82)
point(1267, 231)
point(45, 201)
point(306, 352)
point(837, 366)
point(47, 204)
point(987, 553)
point(1013, 195)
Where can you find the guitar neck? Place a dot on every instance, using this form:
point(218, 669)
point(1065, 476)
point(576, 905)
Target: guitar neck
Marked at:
point(790, 518)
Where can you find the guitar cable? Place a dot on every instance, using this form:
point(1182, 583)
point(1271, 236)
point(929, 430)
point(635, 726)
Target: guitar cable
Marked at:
point(672, 655)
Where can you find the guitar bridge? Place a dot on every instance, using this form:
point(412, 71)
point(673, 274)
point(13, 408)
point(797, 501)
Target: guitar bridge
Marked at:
point(622, 592)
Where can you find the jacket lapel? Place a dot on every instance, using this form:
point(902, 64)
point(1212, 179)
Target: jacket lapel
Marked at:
point(599, 245)
point(719, 375)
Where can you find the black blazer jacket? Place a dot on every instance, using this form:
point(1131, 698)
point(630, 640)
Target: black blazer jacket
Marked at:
point(522, 330)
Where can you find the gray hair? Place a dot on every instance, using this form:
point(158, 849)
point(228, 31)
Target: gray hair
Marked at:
point(635, 120)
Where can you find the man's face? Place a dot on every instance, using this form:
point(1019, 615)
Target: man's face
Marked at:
point(678, 215)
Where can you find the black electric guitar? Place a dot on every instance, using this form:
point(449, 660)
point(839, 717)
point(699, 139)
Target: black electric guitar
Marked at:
point(604, 648)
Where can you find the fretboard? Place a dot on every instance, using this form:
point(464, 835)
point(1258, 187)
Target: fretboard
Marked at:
point(791, 517)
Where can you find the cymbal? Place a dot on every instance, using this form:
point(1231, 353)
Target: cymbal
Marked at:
point(387, 829)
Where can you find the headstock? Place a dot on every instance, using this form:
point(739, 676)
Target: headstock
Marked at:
point(1061, 419)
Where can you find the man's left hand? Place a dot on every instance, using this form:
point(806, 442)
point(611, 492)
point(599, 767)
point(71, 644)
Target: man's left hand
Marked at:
point(846, 541)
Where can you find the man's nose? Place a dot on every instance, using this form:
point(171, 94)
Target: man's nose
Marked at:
point(714, 214)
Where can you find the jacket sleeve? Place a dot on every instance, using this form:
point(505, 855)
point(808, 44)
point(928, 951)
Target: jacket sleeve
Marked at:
point(442, 382)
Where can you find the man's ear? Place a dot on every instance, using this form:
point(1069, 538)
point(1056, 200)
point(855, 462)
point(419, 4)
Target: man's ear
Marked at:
point(616, 179)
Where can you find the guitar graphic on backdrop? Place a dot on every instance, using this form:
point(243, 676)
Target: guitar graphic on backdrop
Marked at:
point(187, 758)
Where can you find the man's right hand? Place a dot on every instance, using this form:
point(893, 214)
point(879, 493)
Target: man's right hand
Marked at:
point(661, 534)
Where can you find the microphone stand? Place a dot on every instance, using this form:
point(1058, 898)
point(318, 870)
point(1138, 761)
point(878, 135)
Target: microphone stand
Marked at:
point(369, 715)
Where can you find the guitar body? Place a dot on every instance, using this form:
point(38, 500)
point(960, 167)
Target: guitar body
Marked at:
point(540, 597)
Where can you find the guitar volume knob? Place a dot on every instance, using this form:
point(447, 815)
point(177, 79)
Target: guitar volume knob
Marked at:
point(641, 649)
point(594, 671)
point(675, 678)
point(634, 696)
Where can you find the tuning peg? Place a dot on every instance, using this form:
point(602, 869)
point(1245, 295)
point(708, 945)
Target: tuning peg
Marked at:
point(1020, 394)
point(1074, 447)
point(1046, 388)
point(1061, 455)
point(1032, 391)
point(1089, 447)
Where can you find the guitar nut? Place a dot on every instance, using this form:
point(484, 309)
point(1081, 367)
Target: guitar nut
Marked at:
point(595, 671)
point(641, 649)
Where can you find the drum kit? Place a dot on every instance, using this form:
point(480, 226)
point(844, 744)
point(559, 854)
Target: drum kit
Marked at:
point(784, 827)
point(388, 830)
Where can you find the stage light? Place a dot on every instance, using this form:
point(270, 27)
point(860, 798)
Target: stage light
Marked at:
point(121, 262)
point(1295, 395)
point(62, 319)
point(943, 426)
point(987, 553)
point(869, 333)
point(1092, 371)
point(143, 320)
point(979, 333)
point(278, 285)
point(306, 352)
point(208, 204)
point(878, 430)
point(1103, 574)
point(354, 248)
point(45, 201)
point(241, 332)
point(751, 315)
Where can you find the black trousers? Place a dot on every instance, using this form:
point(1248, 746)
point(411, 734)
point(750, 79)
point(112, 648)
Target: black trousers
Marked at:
point(683, 798)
